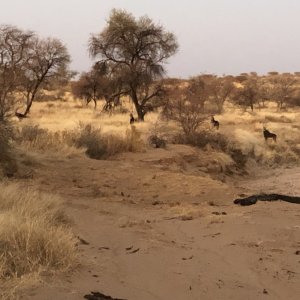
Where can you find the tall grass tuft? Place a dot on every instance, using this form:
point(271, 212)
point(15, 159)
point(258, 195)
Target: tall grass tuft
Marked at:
point(8, 165)
point(34, 233)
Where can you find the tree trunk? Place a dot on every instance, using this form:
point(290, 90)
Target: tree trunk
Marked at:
point(31, 98)
point(252, 107)
point(138, 107)
point(29, 104)
point(95, 103)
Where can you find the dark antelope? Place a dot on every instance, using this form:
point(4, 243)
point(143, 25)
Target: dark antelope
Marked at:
point(269, 135)
point(20, 116)
point(132, 120)
point(214, 122)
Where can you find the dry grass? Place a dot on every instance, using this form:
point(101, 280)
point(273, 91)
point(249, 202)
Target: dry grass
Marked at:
point(101, 146)
point(240, 135)
point(185, 212)
point(34, 234)
point(8, 165)
point(97, 145)
point(248, 134)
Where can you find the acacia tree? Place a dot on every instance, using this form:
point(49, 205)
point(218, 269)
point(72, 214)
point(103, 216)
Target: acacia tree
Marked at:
point(196, 91)
point(48, 60)
point(134, 51)
point(87, 87)
point(248, 94)
point(14, 49)
point(220, 89)
point(95, 85)
point(283, 88)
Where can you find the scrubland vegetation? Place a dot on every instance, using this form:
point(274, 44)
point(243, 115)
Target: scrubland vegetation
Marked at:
point(34, 232)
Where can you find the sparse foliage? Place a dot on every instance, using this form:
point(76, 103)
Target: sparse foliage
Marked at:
point(48, 60)
point(248, 94)
point(220, 90)
point(14, 50)
point(87, 87)
point(28, 63)
point(96, 85)
point(188, 114)
point(197, 91)
point(283, 88)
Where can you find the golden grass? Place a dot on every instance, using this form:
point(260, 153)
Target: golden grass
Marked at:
point(101, 146)
point(86, 137)
point(34, 234)
point(8, 164)
point(239, 127)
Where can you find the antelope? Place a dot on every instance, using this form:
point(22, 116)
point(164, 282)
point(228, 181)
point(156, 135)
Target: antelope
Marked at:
point(214, 122)
point(269, 135)
point(132, 120)
point(20, 116)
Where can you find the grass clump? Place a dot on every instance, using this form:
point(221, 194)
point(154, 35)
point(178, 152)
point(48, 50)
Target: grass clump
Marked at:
point(8, 165)
point(34, 233)
point(157, 141)
point(101, 146)
point(34, 137)
point(97, 145)
point(207, 139)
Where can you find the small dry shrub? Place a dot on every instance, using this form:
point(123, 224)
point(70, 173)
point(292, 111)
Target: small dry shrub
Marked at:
point(188, 115)
point(101, 146)
point(32, 136)
point(156, 141)
point(8, 165)
point(97, 144)
point(4, 143)
point(217, 141)
point(203, 138)
point(278, 119)
point(34, 234)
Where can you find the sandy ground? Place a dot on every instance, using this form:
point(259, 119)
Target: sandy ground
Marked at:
point(156, 228)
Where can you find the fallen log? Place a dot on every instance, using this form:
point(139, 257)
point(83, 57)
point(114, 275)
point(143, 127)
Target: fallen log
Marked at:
point(266, 197)
point(99, 296)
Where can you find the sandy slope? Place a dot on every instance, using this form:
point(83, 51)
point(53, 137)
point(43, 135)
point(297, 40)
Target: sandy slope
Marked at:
point(158, 228)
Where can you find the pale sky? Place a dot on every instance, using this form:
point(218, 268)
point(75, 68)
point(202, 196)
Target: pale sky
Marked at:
point(215, 36)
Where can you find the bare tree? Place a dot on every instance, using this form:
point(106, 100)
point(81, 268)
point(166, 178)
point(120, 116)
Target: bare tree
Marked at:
point(189, 115)
point(14, 49)
point(48, 60)
point(184, 103)
point(135, 51)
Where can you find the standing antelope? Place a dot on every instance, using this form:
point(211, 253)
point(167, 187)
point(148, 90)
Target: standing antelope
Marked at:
point(132, 120)
point(269, 135)
point(214, 122)
point(20, 116)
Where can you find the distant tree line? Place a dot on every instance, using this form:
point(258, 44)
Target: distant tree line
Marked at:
point(208, 93)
